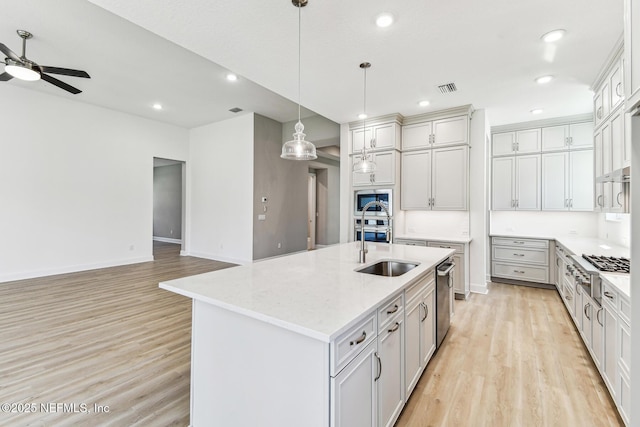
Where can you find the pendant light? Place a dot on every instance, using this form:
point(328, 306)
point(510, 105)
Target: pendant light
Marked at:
point(298, 148)
point(366, 163)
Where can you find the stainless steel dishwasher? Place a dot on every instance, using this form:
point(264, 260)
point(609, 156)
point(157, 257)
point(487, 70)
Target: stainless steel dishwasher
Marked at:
point(444, 283)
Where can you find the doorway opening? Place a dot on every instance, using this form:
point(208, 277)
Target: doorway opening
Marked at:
point(312, 211)
point(169, 202)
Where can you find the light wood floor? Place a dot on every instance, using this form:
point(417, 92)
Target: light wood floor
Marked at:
point(112, 337)
point(511, 358)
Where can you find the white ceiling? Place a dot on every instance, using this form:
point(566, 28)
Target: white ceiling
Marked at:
point(491, 49)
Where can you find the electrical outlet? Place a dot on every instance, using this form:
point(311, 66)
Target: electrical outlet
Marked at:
point(279, 245)
point(262, 217)
point(132, 247)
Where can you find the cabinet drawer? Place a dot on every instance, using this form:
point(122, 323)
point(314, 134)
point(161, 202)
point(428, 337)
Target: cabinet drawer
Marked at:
point(525, 243)
point(349, 344)
point(416, 290)
point(459, 248)
point(610, 296)
point(527, 256)
point(390, 310)
point(520, 272)
point(410, 242)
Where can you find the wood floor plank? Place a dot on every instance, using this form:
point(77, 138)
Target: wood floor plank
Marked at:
point(111, 337)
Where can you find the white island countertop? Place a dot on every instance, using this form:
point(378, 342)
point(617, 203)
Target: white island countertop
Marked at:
point(317, 293)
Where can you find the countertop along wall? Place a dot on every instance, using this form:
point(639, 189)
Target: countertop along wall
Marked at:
point(76, 184)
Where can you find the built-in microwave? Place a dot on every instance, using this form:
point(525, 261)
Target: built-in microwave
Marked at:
point(362, 197)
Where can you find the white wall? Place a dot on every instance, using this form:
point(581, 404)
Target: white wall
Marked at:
point(220, 190)
point(432, 223)
point(479, 132)
point(76, 184)
point(618, 231)
point(544, 224)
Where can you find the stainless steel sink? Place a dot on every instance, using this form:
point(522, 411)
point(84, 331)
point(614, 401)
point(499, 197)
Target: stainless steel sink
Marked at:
point(388, 268)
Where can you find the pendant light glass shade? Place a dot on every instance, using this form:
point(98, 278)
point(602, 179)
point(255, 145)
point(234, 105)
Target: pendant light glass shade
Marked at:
point(366, 163)
point(298, 148)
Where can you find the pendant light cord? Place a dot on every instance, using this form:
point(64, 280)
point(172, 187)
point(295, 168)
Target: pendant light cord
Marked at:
point(299, 54)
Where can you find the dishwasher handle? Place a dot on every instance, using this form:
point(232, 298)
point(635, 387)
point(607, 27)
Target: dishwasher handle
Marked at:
point(445, 268)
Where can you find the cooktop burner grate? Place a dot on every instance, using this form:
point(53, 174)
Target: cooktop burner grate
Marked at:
point(608, 263)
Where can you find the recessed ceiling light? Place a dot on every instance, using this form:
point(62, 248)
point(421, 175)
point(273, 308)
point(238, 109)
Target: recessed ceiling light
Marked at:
point(157, 106)
point(384, 20)
point(423, 103)
point(544, 79)
point(362, 116)
point(536, 111)
point(232, 77)
point(553, 36)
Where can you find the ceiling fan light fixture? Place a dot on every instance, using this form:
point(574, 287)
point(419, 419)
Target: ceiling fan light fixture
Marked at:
point(22, 71)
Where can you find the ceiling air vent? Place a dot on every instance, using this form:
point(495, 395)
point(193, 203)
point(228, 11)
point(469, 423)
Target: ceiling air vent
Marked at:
point(235, 110)
point(447, 88)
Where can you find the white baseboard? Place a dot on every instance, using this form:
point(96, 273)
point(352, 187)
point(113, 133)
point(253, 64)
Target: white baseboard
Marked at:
point(167, 240)
point(217, 257)
point(71, 269)
point(477, 288)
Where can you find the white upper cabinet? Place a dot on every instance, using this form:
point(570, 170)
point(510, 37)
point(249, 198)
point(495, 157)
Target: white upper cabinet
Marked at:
point(451, 131)
point(379, 137)
point(502, 183)
point(416, 180)
point(632, 52)
point(566, 137)
point(384, 173)
point(449, 185)
point(519, 142)
point(555, 173)
point(602, 103)
point(436, 133)
point(580, 180)
point(516, 183)
point(616, 89)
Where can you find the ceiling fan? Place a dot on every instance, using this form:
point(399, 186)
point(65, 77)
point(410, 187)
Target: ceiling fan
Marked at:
point(24, 69)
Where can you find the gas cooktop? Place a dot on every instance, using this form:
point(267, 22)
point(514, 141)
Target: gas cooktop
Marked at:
point(609, 264)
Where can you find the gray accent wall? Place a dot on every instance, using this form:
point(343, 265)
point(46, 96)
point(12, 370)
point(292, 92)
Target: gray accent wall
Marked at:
point(284, 184)
point(167, 201)
point(328, 204)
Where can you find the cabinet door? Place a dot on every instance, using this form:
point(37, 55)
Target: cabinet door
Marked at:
point(354, 391)
point(391, 381)
point(632, 51)
point(358, 138)
point(617, 139)
point(384, 136)
point(451, 131)
point(605, 95)
point(581, 135)
point(417, 136)
point(385, 167)
point(597, 339)
point(503, 143)
point(615, 85)
point(361, 179)
point(412, 333)
point(597, 155)
point(610, 357)
point(528, 182)
point(458, 275)
point(428, 327)
point(587, 317)
point(555, 138)
point(416, 180)
point(555, 174)
point(528, 141)
point(449, 186)
point(502, 188)
point(597, 108)
point(581, 180)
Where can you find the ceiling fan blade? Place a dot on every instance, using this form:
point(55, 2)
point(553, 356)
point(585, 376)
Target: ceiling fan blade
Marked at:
point(5, 77)
point(65, 71)
point(60, 84)
point(9, 53)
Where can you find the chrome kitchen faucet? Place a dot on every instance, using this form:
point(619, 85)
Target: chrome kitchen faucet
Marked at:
point(363, 251)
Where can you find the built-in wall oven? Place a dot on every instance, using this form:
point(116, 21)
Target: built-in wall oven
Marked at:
point(377, 227)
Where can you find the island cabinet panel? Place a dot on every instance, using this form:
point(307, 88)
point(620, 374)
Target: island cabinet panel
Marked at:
point(239, 356)
point(391, 378)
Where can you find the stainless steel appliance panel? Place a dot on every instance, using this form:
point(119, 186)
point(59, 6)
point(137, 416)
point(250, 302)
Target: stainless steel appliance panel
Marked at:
point(444, 283)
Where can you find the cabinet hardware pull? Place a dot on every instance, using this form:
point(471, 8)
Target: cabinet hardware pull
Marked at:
point(359, 340)
point(518, 254)
point(566, 203)
point(570, 140)
point(518, 242)
point(426, 311)
point(585, 310)
point(599, 112)
point(569, 298)
point(598, 317)
point(570, 203)
point(395, 328)
point(518, 271)
point(577, 291)
point(608, 294)
point(598, 200)
point(618, 86)
point(379, 366)
point(393, 310)
point(557, 262)
point(618, 198)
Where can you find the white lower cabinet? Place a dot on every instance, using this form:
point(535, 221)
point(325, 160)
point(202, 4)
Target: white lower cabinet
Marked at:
point(609, 367)
point(597, 336)
point(419, 333)
point(372, 384)
point(354, 391)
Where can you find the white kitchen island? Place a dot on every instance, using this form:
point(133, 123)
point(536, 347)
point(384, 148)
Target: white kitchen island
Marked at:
point(270, 339)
